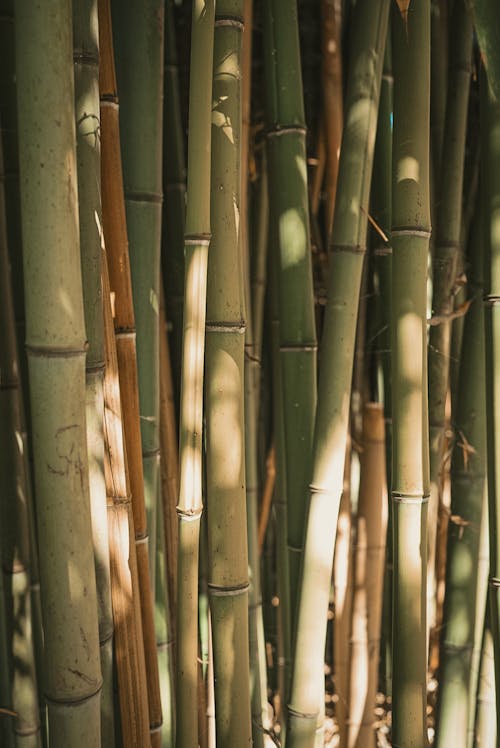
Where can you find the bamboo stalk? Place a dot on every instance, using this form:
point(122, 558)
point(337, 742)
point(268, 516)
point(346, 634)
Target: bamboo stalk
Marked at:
point(115, 235)
point(86, 70)
point(410, 454)
point(196, 250)
point(164, 641)
point(468, 476)
point(486, 14)
point(125, 597)
point(20, 678)
point(491, 161)
point(289, 214)
point(369, 557)
point(446, 252)
point(225, 327)
point(330, 437)
point(486, 722)
point(174, 207)
point(56, 354)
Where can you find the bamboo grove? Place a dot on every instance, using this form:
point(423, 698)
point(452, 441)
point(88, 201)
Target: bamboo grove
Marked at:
point(249, 373)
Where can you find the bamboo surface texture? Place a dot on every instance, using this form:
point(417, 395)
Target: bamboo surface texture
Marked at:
point(55, 339)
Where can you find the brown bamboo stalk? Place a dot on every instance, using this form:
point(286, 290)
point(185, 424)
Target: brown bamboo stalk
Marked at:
point(115, 234)
point(267, 495)
point(369, 558)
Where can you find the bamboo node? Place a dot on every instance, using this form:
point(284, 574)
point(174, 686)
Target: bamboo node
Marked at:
point(494, 582)
point(45, 352)
point(189, 515)
point(228, 591)
point(86, 58)
point(196, 240)
point(280, 130)
point(357, 249)
point(235, 22)
point(419, 231)
point(409, 498)
point(145, 197)
point(238, 327)
point(302, 715)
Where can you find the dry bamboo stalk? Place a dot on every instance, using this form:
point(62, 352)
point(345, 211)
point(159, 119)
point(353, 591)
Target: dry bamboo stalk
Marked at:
point(369, 558)
point(332, 103)
point(115, 233)
point(169, 465)
point(129, 650)
point(342, 585)
point(319, 170)
point(267, 495)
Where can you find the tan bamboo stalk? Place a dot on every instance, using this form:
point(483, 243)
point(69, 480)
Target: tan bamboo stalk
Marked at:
point(125, 597)
point(332, 103)
point(196, 250)
point(369, 559)
point(225, 328)
point(115, 235)
point(342, 595)
point(164, 642)
point(55, 341)
point(88, 153)
point(169, 466)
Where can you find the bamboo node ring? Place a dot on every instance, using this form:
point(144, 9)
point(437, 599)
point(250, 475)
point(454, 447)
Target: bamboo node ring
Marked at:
point(233, 21)
point(197, 239)
point(494, 582)
point(189, 515)
point(302, 715)
point(286, 130)
point(237, 589)
point(409, 498)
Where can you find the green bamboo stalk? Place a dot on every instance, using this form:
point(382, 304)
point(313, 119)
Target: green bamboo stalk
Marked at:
point(86, 70)
point(486, 718)
point(410, 455)
point(138, 38)
point(491, 160)
point(6, 715)
point(56, 354)
point(381, 208)
point(163, 636)
point(289, 213)
point(446, 252)
point(348, 247)
point(486, 14)
point(15, 552)
point(440, 40)
point(468, 476)
point(227, 531)
point(174, 207)
point(196, 245)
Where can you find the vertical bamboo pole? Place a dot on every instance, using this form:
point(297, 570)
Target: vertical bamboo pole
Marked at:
point(19, 670)
point(86, 70)
point(348, 246)
point(225, 328)
point(289, 213)
point(56, 354)
point(491, 162)
point(410, 453)
point(369, 558)
point(486, 722)
point(486, 14)
point(125, 597)
point(197, 241)
point(115, 235)
point(445, 261)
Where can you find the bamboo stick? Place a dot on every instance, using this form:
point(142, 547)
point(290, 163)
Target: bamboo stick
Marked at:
point(410, 453)
point(486, 723)
point(56, 353)
point(486, 14)
point(197, 242)
point(115, 235)
point(330, 438)
point(225, 327)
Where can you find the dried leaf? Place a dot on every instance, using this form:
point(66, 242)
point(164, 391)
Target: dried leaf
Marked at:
point(403, 6)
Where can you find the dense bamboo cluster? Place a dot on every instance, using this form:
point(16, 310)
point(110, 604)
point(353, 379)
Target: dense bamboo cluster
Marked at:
point(249, 398)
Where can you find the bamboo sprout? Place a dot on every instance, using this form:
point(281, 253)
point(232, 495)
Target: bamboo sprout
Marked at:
point(225, 327)
point(348, 247)
point(369, 557)
point(197, 241)
point(115, 235)
point(410, 453)
point(56, 354)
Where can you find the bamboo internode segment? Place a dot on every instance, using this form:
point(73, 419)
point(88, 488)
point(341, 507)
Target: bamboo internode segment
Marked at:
point(332, 415)
point(55, 323)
